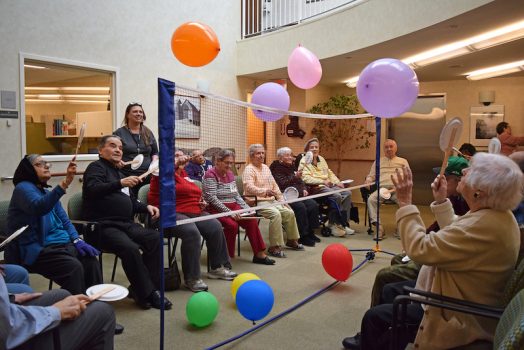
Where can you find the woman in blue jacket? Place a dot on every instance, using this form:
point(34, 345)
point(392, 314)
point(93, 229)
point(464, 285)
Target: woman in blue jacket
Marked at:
point(50, 246)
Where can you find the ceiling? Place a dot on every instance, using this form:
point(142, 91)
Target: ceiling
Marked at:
point(60, 75)
point(337, 70)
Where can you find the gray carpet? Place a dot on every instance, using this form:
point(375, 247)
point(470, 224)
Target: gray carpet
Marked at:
point(320, 324)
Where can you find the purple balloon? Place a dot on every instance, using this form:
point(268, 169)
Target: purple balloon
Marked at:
point(387, 88)
point(270, 95)
point(304, 68)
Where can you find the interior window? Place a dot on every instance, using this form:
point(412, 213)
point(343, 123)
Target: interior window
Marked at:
point(59, 99)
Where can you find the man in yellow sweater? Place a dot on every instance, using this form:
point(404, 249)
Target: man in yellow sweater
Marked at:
point(388, 164)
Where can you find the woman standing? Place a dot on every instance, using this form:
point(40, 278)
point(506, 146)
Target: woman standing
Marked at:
point(136, 139)
point(220, 191)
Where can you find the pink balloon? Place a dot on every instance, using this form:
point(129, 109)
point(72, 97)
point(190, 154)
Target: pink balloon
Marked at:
point(387, 88)
point(270, 95)
point(304, 68)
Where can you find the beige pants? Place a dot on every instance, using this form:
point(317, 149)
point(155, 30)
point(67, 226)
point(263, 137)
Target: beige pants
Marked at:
point(280, 217)
point(372, 204)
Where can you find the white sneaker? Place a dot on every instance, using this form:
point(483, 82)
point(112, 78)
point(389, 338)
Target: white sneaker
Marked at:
point(222, 273)
point(337, 230)
point(349, 231)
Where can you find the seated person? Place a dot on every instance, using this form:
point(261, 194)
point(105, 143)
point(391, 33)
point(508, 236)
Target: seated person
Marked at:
point(27, 318)
point(320, 179)
point(306, 211)
point(509, 143)
point(197, 165)
point(50, 246)
point(16, 279)
point(221, 194)
point(108, 200)
point(189, 204)
point(388, 164)
point(259, 182)
point(401, 271)
point(477, 249)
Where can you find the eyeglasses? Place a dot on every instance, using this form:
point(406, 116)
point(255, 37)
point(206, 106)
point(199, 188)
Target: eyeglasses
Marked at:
point(227, 163)
point(131, 104)
point(43, 164)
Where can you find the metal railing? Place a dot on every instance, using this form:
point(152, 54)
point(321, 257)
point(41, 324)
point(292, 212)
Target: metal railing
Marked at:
point(262, 16)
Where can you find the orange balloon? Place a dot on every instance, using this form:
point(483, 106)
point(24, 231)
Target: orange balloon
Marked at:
point(195, 44)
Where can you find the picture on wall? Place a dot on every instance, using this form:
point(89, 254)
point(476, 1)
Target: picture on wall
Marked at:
point(187, 117)
point(483, 123)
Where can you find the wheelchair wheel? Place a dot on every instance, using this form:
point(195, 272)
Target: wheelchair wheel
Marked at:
point(326, 231)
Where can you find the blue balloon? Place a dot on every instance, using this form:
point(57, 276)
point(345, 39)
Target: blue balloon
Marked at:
point(255, 299)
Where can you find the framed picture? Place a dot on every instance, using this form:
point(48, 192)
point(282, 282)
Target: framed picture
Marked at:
point(483, 123)
point(187, 117)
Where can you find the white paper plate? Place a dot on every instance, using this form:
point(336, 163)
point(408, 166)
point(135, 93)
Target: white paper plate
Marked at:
point(290, 193)
point(137, 161)
point(494, 146)
point(447, 130)
point(384, 193)
point(116, 294)
point(346, 182)
point(154, 164)
point(308, 158)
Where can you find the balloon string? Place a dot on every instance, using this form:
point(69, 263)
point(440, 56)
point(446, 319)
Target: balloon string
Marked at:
point(285, 312)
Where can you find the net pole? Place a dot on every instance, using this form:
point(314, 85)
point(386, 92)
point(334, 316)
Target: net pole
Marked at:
point(378, 122)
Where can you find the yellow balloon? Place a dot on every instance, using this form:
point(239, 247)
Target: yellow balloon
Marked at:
point(240, 280)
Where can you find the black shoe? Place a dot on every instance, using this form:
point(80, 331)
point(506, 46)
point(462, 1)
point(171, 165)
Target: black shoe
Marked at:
point(119, 329)
point(156, 301)
point(314, 237)
point(309, 242)
point(144, 304)
point(352, 343)
point(263, 261)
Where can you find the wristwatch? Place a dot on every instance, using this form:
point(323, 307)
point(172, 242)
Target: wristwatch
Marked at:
point(76, 240)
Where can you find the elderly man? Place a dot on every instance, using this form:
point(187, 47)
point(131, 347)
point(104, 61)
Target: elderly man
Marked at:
point(259, 182)
point(107, 199)
point(306, 211)
point(509, 143)
point(197, 165)
point(388, 164)
point(27, 318)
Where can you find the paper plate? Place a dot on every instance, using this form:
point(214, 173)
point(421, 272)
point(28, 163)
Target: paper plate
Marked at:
point(290, 193)
point(447, 131)
point(13, 235)
point(384, 193)
point(494, 146)
point(116, 294)
point(154, 164)
point(346, 182)
point(137, 161)
point(308, 158)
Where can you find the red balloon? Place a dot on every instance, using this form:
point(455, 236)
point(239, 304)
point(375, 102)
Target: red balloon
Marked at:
point(195, 44)
point(337, 261)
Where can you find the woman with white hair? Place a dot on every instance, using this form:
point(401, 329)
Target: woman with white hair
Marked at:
point(471, 257)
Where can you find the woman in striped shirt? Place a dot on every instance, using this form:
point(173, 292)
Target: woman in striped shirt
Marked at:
point(221, 193)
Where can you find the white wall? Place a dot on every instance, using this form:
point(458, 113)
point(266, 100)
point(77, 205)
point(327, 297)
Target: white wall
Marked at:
point(369, 23)
point(132, 35)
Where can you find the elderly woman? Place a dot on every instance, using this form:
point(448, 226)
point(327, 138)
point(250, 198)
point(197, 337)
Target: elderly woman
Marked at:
point(477, 249)
point(50, 245)
point(259, 182)
point(320, 179)
point(306, 211)
point(136, 139)
point(189, 204)
point(221, 194)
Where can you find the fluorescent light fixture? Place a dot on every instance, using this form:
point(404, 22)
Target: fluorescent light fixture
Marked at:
point(31, 100)
point(352, 82)
point(68, 88)
point(36, 88)
point(482, 41)
point(496, 71)
point(34, 66)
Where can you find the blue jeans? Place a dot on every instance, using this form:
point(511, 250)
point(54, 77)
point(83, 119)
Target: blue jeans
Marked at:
point(16, 279)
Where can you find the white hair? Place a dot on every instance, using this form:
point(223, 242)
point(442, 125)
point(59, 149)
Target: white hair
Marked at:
point(254, 147)
point(497, 176)
point(283, 151)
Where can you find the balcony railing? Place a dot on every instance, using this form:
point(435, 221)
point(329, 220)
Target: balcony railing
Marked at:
point(262, 16)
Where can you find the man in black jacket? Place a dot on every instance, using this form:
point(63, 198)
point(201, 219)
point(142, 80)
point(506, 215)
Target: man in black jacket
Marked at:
point(107, 199)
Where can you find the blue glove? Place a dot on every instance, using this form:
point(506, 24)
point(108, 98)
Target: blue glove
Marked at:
point(85, 249)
